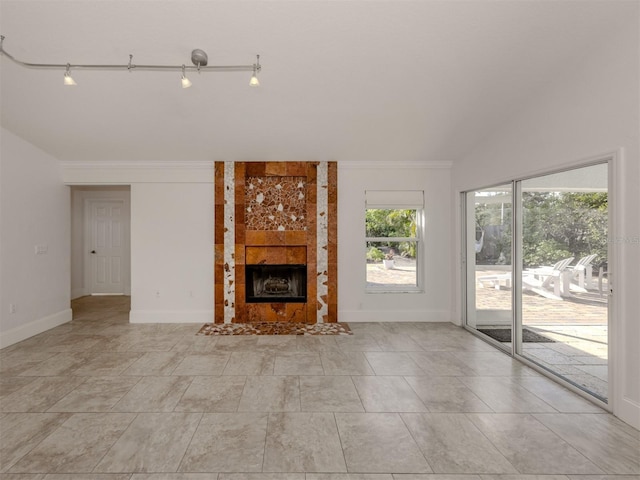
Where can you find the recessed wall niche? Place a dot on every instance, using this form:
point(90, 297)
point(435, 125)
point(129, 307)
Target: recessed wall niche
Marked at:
point(283, 215)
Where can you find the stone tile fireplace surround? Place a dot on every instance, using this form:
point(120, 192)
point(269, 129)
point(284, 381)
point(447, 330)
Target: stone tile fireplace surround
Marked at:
point(280, 214)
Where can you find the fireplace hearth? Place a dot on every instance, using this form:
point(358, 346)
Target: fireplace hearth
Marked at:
point(276, 283)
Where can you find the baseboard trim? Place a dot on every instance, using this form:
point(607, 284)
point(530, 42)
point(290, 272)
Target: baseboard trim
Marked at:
point(628, 411)
point(36, 327)
point(171, 316)
point(430, 316)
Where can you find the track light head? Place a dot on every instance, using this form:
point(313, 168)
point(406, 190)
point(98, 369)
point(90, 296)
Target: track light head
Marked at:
point(68, 79)
point(254, 82)
point(186, 83)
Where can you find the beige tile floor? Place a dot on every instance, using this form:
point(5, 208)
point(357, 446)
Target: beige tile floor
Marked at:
point(578, 324)
point(101, 399)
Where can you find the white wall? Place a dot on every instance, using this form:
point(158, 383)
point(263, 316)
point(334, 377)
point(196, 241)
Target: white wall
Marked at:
point(80, 284)
point(172, 235)
point(34, 211)
point(171, 241)
point(434, 304)
point(590, 109)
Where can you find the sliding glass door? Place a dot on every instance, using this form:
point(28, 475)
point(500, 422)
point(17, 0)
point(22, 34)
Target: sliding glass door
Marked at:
point(552, 308)
point(489, 273)
point(564, 261)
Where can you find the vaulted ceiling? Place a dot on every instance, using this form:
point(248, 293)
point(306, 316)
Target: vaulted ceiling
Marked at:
point(341, 80)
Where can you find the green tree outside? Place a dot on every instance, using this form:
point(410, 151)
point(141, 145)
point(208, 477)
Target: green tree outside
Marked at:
point(556, 225)
point(392, 223)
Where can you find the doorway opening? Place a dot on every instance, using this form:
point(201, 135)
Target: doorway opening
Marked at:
point(100, 240)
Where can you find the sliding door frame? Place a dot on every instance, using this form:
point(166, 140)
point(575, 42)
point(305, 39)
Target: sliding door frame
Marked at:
point(464, 267)
point(516, 255)
point(612, 160)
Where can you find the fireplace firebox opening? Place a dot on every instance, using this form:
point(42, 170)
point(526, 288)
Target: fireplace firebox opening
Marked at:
point(276, 283)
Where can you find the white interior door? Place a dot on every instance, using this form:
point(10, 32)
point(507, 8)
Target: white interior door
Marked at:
point(106, 246)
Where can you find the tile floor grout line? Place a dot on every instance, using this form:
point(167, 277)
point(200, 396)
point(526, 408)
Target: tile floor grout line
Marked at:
point(107, 450)
point(538, 396)
point(344, 458)
point(416, 393)
point(68, 415)
point(188, 444)
point(364, 410)
point(577, 449)
point(467, 416)
point(400, 414)
point(192, 377)
point(266, 436)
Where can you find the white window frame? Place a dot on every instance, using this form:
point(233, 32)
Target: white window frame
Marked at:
point(397, 200)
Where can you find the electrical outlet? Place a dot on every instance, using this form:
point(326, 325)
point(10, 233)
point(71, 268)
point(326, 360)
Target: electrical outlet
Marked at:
point(12, 308)
point(157, 293)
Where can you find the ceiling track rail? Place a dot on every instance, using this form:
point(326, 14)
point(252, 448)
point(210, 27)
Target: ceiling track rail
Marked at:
point(198, 58)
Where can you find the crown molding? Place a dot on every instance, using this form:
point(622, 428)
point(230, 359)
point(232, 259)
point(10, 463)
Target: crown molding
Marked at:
point(124, 172)
point(395, 165)
point(135, 164)
point(120, 172)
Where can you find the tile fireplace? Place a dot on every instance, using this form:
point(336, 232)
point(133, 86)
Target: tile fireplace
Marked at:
point(275, 242)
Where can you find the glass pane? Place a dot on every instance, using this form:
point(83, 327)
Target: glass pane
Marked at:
point(489, 281)
point(564, 275)
point(391, 223)
point(392, 265)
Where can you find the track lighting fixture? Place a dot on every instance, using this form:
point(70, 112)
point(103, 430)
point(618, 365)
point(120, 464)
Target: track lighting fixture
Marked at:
point(68, 79)
point(186, 83)
point(254, 82)
point(198, 58)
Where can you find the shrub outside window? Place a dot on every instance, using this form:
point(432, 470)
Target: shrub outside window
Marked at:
point(392, 249)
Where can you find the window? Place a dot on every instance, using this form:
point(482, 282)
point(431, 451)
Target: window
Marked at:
point(393, 222)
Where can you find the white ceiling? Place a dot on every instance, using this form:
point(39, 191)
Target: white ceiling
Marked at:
point(341, 80)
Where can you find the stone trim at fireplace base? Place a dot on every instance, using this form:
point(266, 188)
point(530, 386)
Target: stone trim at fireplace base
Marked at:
point(275, 328)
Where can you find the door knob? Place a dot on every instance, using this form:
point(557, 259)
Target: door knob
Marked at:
point(93, 251)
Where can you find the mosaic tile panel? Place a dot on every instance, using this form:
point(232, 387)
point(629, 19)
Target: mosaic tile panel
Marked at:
point(275, 203)
point(218, 267)
point(322, 255)
point(332, 247)
point(229, 242)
